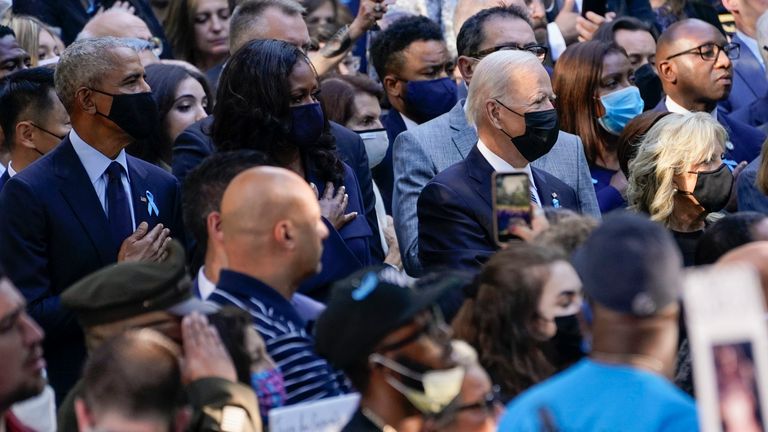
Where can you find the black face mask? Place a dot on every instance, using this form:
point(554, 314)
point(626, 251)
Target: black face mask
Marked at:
point(136, 114)
point(541, 130)
point(649, 84)
point(713, 188)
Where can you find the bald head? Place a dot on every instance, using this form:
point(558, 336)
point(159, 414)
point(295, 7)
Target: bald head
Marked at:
point(695, 72)
point(754, 254)
point(117, 23)
point(271, 227)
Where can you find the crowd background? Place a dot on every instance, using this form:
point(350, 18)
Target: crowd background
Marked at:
point(210, 209)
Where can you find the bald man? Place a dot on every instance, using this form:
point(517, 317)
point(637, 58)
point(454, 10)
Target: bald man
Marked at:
point(272, 235)
point(693, 60)
point(121, 23)
point(754, 254)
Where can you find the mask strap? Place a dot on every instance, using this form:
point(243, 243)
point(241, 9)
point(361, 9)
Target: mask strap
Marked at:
point(394, 366)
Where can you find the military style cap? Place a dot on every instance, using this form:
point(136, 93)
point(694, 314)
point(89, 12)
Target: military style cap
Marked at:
point(125, 290)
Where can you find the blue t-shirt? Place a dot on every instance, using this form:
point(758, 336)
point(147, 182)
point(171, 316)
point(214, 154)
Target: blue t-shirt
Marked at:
point(597, 397)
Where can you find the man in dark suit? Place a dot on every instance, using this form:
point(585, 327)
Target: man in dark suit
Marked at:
point(86, 204)
point(510, 104)
point(247, 24)
point(749, 81)
point(694, 63)
point(412, 60)
point(32, 118)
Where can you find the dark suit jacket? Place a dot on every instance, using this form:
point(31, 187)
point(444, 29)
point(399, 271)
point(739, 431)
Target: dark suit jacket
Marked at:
point(749, 81)
point(4, 179)
point(54, 231)
point(754, 114)
point(384, 173)
point(456, 213)
point(70, 16)
point(195, 144)
point(747, 141)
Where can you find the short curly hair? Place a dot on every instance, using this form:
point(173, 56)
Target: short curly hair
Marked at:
point(387, 47)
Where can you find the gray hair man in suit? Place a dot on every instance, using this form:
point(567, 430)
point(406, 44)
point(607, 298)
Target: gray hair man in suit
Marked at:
point(421, 153)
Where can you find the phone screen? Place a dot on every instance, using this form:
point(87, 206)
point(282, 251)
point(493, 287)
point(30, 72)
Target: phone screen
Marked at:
point(511, 203)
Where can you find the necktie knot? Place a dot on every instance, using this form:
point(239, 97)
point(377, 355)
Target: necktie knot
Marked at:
point(114, 170)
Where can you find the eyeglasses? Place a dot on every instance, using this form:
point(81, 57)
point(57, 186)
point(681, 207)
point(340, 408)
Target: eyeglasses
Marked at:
point(710, 51)
point(490, 401)
point(155, 45)
point(540, 51)
point(434, 326)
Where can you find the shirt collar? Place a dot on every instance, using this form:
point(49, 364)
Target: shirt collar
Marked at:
point(752, 46)
point(94, 161)
point(244, 286)
point(499, 164)
point(674, 107)
point(11, 172)
point(204, 285)
point(409, 124)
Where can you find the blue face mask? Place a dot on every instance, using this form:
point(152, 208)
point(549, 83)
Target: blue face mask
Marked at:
point(429, 99)
point(307, 124)
point(620, 107)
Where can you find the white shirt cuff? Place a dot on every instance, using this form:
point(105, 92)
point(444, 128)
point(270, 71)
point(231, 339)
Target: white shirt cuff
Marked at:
point(556, 40)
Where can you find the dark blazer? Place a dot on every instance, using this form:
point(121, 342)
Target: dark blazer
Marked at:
point(746, 140)
point(754, 114)
point(345, 250)
point(456, 213)
point(70, 16)
point(4, 179)
point(195, 144)
point(54, 232)
point(749, 81)
point(384, 173)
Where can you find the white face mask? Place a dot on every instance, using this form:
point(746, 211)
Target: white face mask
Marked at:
point(52, 60)
point(376, 145)
point(441, 387)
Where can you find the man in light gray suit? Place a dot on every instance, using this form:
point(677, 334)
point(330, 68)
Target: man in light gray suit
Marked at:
point(421, 153)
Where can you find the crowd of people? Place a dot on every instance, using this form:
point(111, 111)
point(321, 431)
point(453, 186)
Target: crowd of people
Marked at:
point(213, 209)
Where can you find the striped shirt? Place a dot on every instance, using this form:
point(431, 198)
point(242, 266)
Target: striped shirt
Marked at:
point(307, 375)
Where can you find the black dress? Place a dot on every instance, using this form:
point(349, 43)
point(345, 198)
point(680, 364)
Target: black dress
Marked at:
point(687, 242)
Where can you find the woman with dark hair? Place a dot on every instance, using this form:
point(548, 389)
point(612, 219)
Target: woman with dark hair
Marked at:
point(267, 101)
point(199, 31)
point(182, 96)
point(596, 98)
point(512, 311)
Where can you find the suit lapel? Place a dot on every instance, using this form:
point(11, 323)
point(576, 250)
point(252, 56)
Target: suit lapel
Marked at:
point(750, 70)
point(78, 192)
point(543, 189)
point(463, 135)
point(139, 189)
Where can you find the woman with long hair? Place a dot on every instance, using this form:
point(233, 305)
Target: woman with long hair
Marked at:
point(596, 98)
point(267, 101)
point(198, 30)
point(511, 311)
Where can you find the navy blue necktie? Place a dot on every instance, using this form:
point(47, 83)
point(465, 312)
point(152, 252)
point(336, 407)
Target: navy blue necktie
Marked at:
point(119, 213)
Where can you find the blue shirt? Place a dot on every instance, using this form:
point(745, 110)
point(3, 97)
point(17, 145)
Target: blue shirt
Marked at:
point(608, 198)
point(307, 376)
point(592, 396)
point(96, 164)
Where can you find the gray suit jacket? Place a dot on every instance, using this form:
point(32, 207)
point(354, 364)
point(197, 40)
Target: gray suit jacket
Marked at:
point(420, 153)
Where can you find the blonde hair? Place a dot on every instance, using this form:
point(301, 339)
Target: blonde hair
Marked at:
point(27, 31)
point(492, 79)
point(673, 146)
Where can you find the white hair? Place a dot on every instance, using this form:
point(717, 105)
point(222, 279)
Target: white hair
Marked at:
point(495, 77)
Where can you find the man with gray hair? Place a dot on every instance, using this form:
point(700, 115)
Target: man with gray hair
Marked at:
point(510, 103)
point(87, 204)
point(419, 154)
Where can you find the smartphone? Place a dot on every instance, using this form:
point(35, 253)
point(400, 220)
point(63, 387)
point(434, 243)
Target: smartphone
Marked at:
point(511, 204)
point(596, 6)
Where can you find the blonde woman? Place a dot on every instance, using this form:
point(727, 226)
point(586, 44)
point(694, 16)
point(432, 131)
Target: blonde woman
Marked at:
point(678, 176)
point(36, 38)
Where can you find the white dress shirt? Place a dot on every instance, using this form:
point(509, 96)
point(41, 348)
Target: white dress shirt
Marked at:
point(204, 285)
point(11, 172)
point(501, 166)
point(96, 164)
point(409, 124)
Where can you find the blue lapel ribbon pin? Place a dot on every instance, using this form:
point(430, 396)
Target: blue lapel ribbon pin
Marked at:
point(151, 206)
point(555, 201)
